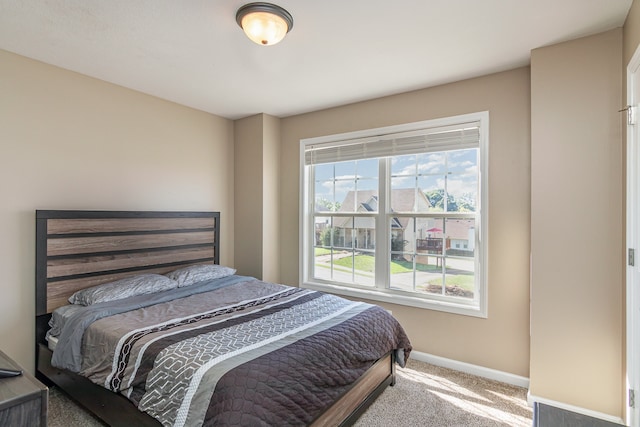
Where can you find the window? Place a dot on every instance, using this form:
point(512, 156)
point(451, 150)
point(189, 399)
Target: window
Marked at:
point(399, 214)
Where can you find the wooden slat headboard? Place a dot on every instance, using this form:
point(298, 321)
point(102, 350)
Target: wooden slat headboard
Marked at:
point(79, 249)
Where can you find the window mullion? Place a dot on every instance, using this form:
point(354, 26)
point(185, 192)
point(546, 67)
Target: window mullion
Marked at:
point(383, 250)
point(308, 232)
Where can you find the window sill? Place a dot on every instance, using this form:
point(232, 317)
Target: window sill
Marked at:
point(473, 310)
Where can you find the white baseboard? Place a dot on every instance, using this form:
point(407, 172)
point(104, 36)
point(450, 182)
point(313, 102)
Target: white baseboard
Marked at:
point(508, 378)
point(588, 412)
point(479, 371)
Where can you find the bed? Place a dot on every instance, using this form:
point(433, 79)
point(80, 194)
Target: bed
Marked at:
point(248, 353)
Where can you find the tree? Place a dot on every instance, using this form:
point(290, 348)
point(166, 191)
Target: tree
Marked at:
point(397, 245)
point(325, 238)
point(466, 202)
point(327, 204)
point(436, 197)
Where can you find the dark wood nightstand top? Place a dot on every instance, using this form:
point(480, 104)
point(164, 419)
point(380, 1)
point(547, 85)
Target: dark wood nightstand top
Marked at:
point(15, 391)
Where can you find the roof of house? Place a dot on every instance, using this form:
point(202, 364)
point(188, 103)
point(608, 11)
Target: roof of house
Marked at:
point(404, 200)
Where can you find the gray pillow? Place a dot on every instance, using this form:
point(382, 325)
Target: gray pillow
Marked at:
point(123, 288)
point(198, 273)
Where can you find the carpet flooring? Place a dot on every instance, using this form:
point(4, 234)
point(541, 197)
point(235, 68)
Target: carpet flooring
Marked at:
point(428, 395)
point(424, 395)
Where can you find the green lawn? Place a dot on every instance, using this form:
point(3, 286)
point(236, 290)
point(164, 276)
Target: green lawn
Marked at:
point(367, 263)
point(362, 262)
point(322, 251)
point(398, 266)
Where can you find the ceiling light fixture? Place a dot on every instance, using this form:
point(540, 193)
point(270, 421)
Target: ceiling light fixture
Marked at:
point(264, 23)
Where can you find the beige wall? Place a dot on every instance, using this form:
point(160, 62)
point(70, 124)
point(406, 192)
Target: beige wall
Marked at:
point(576, 229)
point(248, 189)
point(502, 340)
point(72, 142)
point(271, 200)
point(257, 172)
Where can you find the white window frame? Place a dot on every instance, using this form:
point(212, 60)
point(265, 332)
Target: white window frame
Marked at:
point(478, 307)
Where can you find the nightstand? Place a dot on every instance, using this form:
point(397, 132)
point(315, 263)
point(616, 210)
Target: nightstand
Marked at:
point(23, 399)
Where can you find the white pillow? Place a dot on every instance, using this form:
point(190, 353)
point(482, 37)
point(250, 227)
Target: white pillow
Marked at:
point(123, 288)
point(197, 273)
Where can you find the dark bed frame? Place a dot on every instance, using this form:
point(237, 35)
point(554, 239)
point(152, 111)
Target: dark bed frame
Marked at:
point(79, 249)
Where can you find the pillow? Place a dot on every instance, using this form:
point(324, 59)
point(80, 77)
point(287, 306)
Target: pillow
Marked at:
point(123, 288)
point(198, 273)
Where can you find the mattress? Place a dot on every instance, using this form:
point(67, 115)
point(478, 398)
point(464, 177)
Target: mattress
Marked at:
point(52, 342)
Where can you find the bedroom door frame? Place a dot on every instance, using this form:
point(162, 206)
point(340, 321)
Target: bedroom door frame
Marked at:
point(633, 242)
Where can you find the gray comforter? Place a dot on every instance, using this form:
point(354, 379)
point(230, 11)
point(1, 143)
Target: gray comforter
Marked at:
point(234, 351)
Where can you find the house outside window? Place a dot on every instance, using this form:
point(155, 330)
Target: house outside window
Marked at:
point(399, 214)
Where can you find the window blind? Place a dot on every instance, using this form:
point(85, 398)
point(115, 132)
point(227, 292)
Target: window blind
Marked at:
point(456, 137)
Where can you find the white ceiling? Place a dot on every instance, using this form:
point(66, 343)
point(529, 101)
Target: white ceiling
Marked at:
point(340, 51)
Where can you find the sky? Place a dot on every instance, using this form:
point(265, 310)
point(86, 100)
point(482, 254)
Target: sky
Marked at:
point(452, 171)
